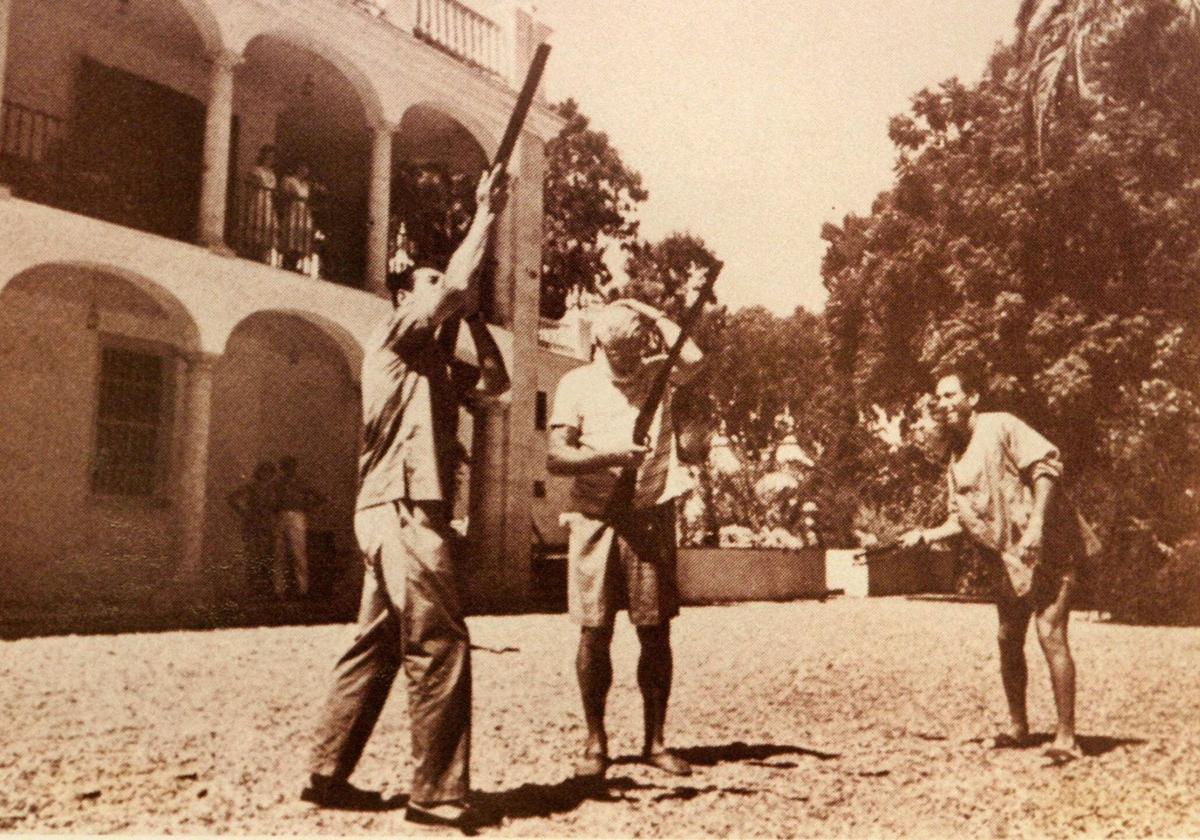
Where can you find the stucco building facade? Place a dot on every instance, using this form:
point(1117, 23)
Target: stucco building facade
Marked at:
point(158, 338)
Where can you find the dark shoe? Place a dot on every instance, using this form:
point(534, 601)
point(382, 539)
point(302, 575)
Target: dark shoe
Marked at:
point(445, 815)
point(668, 762)
point(1008, 741)
point(325, 792)
point(591, 766)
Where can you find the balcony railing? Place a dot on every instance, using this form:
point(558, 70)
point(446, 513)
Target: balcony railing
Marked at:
point(28, 135)
point(462, 32)
point(277, 227)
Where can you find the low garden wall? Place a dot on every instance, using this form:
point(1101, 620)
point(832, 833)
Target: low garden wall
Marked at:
point(716, 575)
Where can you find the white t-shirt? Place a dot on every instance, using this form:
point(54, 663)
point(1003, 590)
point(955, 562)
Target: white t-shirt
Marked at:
point(604, 412)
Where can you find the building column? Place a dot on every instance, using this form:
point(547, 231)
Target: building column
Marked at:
point(5, 7)
point(192, 487)
point(379, 197)
point(214, 183)
point(503, 460)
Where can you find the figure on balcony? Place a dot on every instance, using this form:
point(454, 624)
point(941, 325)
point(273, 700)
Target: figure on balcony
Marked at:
point(259, 223)
point(297, 231)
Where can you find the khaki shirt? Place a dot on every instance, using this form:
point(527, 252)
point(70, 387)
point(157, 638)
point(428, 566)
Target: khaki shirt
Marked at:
point(410, 414)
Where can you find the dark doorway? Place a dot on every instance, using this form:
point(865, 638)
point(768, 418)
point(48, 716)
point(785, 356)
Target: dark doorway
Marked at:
point(136, 152)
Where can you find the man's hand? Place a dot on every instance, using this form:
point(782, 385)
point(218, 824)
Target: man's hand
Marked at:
point(1029, 547)
point(492, 190)
point(912, 539)
point(694, 286)
point(630, 456)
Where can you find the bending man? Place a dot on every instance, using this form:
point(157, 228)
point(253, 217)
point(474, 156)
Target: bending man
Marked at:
point(1004, 494)
point(622, 558)
point(411, 611)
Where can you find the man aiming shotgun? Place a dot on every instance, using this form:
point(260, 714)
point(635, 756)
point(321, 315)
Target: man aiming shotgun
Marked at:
point(611, 429)
point(411, 613)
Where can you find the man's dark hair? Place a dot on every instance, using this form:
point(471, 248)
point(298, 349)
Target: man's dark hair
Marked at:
point(402, 281)
point(287, 463)
point(970, 378)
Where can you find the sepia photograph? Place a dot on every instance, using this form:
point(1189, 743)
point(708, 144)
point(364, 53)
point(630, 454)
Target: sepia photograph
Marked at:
point(600, 418)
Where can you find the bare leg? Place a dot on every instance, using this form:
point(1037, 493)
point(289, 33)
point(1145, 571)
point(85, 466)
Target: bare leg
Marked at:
point(1052, 633)
point(593, 666)
point(1014, 622)
point(655, 666)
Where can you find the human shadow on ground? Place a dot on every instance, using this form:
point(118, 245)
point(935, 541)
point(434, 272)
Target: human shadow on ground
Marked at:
point(1089, 745)
point(739, 751)
point(540, 800)
point(1101, 744)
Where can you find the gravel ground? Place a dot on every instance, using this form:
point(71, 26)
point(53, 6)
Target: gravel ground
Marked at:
point(848, 718)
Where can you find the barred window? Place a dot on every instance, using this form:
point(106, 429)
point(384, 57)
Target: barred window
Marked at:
point(129, 422)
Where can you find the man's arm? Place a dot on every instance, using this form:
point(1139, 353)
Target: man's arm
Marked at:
point(458, 291)
point(925, 536)
point(567, 457)
point(690, 354)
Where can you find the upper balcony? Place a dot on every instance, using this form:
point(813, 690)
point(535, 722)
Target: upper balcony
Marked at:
point(324, 137)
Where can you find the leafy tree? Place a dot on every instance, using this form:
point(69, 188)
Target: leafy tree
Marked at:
point(659, 272)
point(1053, 41)
point(590, 196)
point(1073, 286)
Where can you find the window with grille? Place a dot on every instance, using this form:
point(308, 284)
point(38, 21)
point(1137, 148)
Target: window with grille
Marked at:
point(129, 422)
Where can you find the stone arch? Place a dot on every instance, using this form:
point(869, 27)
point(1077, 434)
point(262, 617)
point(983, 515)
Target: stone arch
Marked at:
point(61, 277)
point(208, 25)
point(363, 85)
point(349, 347)
point(91, 376)
point(486, 137)
point(282, 388)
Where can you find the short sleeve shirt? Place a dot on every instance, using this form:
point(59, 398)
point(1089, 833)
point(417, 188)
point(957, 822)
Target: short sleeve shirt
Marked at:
point(409, 449)
point(991, 482)
point(604, 412)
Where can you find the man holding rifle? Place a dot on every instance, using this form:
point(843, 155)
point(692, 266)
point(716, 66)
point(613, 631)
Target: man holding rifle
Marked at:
point(411, 611)
point(621, 553)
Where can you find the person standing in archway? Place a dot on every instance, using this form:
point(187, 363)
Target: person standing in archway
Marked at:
point(254, 503)
point(295, 499)
point(411, 612)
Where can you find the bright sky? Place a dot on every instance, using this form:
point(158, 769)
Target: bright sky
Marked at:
point(755, 121)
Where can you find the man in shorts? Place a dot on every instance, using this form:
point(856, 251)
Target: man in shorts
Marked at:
point(622, 559)
point(411, 613)
point(1004, 494)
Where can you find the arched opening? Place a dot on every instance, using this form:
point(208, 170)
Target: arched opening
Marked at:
point(283, 388)
point(104, 105)
point(91, 380)
point(301, 155)
point(436, 163)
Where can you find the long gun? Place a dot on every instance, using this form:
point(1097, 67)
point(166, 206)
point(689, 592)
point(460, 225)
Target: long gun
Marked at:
point(488, 354)
point(626, 485)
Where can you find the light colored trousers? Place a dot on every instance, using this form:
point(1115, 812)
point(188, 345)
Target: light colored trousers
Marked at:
point(291, 533)
point(411, 615)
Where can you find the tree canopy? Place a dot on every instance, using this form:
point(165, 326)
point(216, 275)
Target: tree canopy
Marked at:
point(1073, 286)
point(590, 195)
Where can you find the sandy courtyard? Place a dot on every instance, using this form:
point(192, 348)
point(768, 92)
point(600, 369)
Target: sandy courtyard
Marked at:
point(847, 718)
